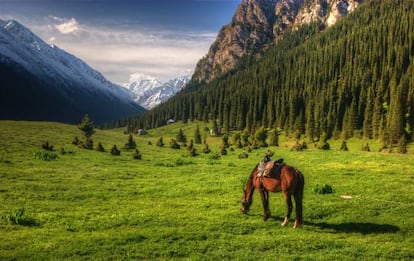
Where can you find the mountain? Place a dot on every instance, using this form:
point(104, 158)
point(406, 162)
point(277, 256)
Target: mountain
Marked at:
point(43, 82)
point(257, 24)
point(150, 92)
point(353, 79)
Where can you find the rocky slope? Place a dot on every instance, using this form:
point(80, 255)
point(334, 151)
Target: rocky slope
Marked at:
point(257, 24)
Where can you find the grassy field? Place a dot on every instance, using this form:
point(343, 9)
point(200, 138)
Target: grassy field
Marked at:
point(90, 205)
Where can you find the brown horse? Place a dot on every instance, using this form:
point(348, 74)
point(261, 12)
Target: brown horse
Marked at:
point(276, 178)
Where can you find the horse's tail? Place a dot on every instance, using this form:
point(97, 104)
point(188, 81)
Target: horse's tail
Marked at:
point(299, 196)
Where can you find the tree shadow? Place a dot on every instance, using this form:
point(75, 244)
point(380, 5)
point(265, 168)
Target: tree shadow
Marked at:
point(355, 227)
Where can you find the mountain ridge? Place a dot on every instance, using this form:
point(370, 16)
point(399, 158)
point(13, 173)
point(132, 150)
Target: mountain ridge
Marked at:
point(55, 73)
point(257, 24)
point(149, 91)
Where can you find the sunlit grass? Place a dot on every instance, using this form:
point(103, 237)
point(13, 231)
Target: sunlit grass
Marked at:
point(169, 205)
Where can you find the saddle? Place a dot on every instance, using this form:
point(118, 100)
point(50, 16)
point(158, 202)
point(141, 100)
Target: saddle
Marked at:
point(270, 169)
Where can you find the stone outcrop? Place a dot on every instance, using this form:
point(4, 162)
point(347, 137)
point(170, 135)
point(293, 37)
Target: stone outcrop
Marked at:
point(257, 24)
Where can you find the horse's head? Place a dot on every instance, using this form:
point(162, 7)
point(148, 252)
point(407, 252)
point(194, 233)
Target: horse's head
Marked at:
point(245, 203)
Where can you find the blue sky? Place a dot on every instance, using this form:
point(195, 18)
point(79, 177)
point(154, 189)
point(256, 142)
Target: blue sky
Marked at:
point(160, 38)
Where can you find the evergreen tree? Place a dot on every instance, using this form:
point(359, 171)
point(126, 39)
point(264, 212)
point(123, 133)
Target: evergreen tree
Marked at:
point(100, 147)
point(131, 143)
point(180, 136)
point(86, 126)
point(115, 151)
point(197, 136)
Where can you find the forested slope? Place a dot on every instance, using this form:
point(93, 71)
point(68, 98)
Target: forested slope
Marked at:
point(356, 78)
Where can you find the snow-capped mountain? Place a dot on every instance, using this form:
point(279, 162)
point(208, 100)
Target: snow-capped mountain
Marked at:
point(28, 64)
point(149, 91)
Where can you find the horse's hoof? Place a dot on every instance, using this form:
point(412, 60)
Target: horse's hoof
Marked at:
point(266, 217)
point(285, 222)
point(297, 225)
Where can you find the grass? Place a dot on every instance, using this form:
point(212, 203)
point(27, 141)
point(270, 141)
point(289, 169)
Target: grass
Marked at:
point(91, 205)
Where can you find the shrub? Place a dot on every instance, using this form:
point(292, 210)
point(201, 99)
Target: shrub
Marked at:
point(174, 144)
point(19, 217)
point(88, 144)
point(45, 155)
point(137, 155)
point(206, 149)
point(100, 147)
point(48, 147)
point(243, 155)
point(76, 141)
point(343, 147)
point(223, 150)
point(324, 189)
point(160, 142)
point(115, 151)
point(215, 156)
point(323, 142)
point(193, 152)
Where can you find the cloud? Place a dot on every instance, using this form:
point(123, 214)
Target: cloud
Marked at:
point(119, 50)
point(67, 27)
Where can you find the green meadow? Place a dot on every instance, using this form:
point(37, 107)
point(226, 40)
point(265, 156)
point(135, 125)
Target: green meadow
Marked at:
point(89, 205)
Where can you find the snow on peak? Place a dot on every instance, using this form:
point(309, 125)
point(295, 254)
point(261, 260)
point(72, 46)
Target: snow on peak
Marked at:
point(150, 91)
point(49, 61)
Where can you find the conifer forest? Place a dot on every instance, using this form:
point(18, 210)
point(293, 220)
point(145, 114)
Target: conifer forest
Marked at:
point(353, 79)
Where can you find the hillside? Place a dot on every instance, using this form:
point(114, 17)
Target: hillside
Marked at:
point(43, 82)
point(257, 24)
point(91, 205)
point(353, 79)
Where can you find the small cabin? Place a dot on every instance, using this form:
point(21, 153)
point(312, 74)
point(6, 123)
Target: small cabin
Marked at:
point(141, 132)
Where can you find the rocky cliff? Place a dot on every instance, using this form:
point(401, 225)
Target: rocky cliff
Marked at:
point(257, 24)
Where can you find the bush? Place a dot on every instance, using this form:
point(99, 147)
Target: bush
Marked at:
point(137, 155)
point(48, 147)
point(115, 151)
point(343, 147)
point(243, 155)
point(206, 149)
point(324, 189)
point(215, 156)
point(223, 150)
point(87, 145)
point(19, 217)
point(100, 147)
point(160, 142)
point(193, 152)
point(174, 144)
point(45, 155)
point(366, 147)
point(76, 141)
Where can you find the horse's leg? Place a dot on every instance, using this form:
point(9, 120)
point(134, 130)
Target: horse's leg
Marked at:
point(298, 200)
point(298, 206)
point(288, 200)
point(264, 194)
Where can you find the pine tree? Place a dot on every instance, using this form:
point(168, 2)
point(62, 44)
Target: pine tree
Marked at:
point(131, 143)
point(180, 136)
point(197, 136)
point(86, 126)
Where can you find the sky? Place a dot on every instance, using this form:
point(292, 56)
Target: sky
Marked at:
point(160, 38)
